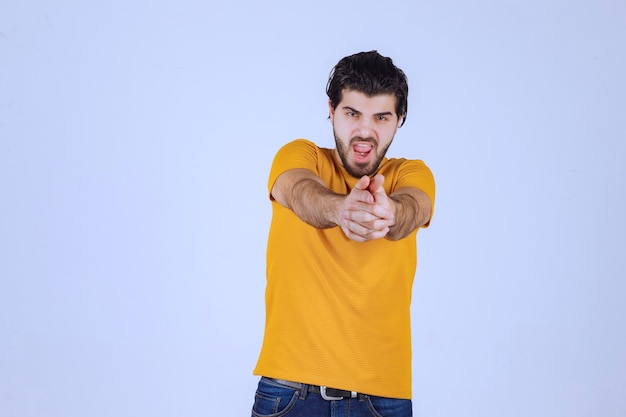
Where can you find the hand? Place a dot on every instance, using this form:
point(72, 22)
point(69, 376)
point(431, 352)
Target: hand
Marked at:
point(380, 196)
point(367, 212)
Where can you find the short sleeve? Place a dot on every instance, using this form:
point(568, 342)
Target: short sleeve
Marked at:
point(299, 153)
point(412, 173)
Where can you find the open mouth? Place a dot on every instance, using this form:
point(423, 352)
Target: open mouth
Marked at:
point(362, 151)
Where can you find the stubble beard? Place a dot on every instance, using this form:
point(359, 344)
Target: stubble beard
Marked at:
point(355, 169)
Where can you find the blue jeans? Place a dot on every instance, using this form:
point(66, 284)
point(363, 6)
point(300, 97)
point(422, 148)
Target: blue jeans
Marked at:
point(273, 399)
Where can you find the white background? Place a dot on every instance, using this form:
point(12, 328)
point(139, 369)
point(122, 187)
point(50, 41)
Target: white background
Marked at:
point(135, 143)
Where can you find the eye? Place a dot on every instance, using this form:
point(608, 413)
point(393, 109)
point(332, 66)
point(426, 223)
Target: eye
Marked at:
point(351, 114)
point(383, 118)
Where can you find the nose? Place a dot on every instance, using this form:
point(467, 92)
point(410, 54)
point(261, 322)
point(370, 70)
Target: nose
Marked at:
point(365, 128)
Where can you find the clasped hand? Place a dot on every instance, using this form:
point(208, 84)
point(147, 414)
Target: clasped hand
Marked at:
point(367, 212)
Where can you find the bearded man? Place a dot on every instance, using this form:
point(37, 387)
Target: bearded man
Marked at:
point(342, 255)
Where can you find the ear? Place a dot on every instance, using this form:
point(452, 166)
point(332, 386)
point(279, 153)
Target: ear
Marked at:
point(331, 111)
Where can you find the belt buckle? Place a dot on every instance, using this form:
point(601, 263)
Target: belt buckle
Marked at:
point(331, 398)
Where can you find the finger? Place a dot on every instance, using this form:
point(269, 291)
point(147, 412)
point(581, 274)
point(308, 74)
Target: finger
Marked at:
point(381, 211)
point(359, 198)
point(363, 223)
point(365, 213)
point(363, 183)
point(354, 226)
point(361, 213)
point(383, 203)
point(376, 183)
point(361, 194)
point(351, 234)
point(377, 189)
point(367, 209)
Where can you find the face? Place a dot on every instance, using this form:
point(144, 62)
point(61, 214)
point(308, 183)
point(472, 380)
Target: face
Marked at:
point(364, 128)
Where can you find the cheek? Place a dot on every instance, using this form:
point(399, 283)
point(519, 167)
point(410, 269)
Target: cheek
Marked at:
point(385, 139)
point(344, 130)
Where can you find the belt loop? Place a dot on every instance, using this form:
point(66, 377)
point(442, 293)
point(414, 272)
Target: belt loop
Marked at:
point(303, 391)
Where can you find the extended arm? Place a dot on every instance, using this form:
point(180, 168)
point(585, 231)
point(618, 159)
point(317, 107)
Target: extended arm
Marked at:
point(359, 215)
point(412, 209)
point(304, 193)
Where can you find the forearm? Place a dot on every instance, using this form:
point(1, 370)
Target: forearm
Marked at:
point(314, 204)
point(411, 210)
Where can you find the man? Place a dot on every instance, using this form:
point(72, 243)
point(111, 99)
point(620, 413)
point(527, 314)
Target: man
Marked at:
point(341, 257)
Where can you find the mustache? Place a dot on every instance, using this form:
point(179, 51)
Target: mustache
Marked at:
point(361, 139)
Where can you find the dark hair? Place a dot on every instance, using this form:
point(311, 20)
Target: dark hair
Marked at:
point(369, 73)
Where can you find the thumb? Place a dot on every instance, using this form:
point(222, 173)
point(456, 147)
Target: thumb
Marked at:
point(363, 183)
point(376, 185)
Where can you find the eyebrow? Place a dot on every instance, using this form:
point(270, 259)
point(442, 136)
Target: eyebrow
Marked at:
point(350, 109)
point(385, 113)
